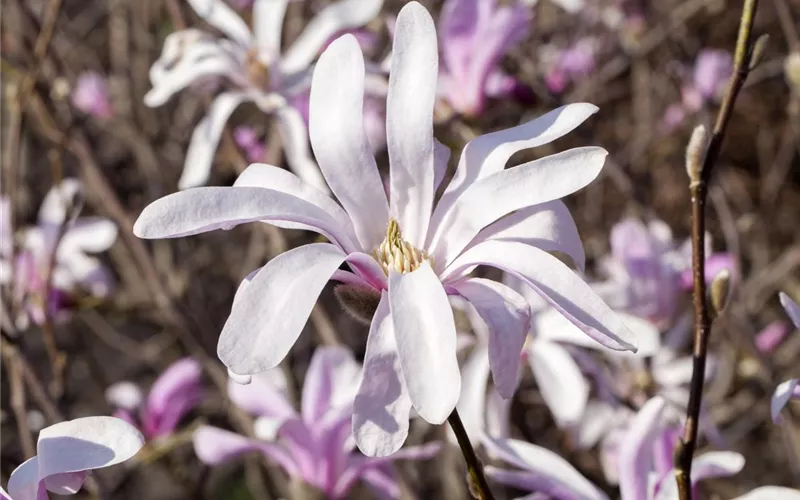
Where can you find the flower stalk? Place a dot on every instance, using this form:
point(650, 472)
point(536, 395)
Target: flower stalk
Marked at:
point(686, 445)
point(478, 486)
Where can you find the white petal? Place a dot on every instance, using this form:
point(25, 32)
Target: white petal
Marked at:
point(771, 493)
point(336, 17)
point(426, 342)
point(441, 157)
point(472, 402)
point(294, 137)
point(268, 26)
point(557, 284)
point(89, 234)
point(409, 121)
point(53, 210)
point(23, 484)
point(503, 192)
point(270, 314)
point(560, 380)
point(780, 398)
point(330, 383)
point(791, 307)
point(125, 395)
point(508, 316)
point(205, 139)
point(635, 456)
point(381, 408)
point(339, 142)
point(707, 465)
point(187, 72)
point(219, 15)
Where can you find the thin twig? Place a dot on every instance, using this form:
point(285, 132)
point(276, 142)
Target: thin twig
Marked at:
point(19, 405)
point(700, 176)
point(478, 484)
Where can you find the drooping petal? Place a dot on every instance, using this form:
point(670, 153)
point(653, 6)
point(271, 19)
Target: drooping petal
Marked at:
point(501, 193)
point(409, 121)
point(339, 142)
point(336, 17)
point(791, 307)
point(205, 138)
point(268, 27)
point(330, 383)
point(382, 405)
point(294, 137)
point(557, 284)
point(24, 482)
point(780, 398)
point(266, 321)
point(222, 17)
point(426, 342)
point(560, 380)
point(472, 402)
point(213, 446)
point(508, 316)
point(635, 455)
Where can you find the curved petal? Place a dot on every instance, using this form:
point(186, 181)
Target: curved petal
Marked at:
point(294, 137)
point(426, 342)
point(174, 394)
point(53, 210)
point(336, 17)
point(213, 446)
point(557, 284)
point(409, 121)
point(381, 408)
point(222, 17)
point(780, 398)
point(339, 142)
point(65, 484)
point(508, 316)
point(330, 383)
point(771, 493)
point(205, 139)
point(441, 157)
point(791, 307)
point(207, 208)
point(501, 193)
point(707, 465)
point(188, 71)
point(635, 453)
point(268, 27)
point(472, 401)
point(89, 234)
point(266, 321)
point(24, 483)
point(560, 380)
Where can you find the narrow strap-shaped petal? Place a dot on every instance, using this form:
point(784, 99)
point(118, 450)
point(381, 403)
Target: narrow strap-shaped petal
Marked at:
point(472, 401)
point(707, 465)
point(426, 342)
point(339, 143)
point(458, 25)
point(409, 121)
point(270, 313)
point(213, 446)
point(557, 284)
point(635, 452)
point(174, 393)
point(508, 316)
point(53, 210)
point(188, 71)
point(780, 398)
point(294, 137)
point(89, 234)
point(791, 307)
point(560, 380)
point(222, 17)
point(268, 26)
point(330, 383)
point(381, 408)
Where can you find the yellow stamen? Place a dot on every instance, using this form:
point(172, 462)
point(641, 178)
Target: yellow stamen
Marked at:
point(396, 254)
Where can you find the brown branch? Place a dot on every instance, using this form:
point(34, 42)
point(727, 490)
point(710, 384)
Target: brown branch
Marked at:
point(700, 176)
point(478, 486)
point(19, 405)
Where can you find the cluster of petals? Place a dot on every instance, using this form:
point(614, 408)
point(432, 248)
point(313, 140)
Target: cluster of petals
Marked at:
point(173, 395)
point(251, 67)
point(55, 250)
point(67, 451)
point(315, 446)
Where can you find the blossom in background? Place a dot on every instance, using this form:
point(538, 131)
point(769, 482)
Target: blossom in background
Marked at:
point(90, 95)
point(404, 254)
point(569, 65)
point(59, 239)
point(67, 451)
point(174, 394)
point(473, 37)
point(712, 69)
point(247, 138)
point(315, 446)
point(791, 388)
point(255, 69)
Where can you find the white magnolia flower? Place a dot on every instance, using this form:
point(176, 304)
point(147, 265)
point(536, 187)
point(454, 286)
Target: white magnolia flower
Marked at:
point(256, 70)
point(406, 253)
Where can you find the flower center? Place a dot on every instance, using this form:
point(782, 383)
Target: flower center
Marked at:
point(257, 71)
point(397, 254)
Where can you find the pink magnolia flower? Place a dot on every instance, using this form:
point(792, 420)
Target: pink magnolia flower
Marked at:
point(247, 139)
point(174, 394)
point(789, 389)
point(404, 253)
point(315, 446)
point(571, 64)
point(474, 35)
point(711, 71)
point(67, 451)
point(90, 95)
point(255, 69)
point(74, 273)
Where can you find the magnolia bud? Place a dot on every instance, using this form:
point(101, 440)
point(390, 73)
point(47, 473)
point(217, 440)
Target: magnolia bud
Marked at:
point(695, 154)
point(358, 300)
point(720, 290)
point(791, 70)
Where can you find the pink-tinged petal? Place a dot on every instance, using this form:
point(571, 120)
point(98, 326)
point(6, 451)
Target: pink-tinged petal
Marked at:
point(548, 226)
point(458, 25)
point(336, 17)
point(409, 121)
point(90, 95)
point(557, 284)
point(426, 342)
point(472, 402)
point(359, 466)
point(382, 482)
point(294, 137)
point(382, 405)
point(330, 383)
point(489, 153)
point(768, 339)
point(24, 482)
point(544, 471)
point(265, 396)
point(266, 321)
point(560, 380)
point(780, 398)
point(711, 71)
point(207, 208)
point(173, 395)
point(499, 84)
point(65, 484)
point(205, 138)
point(501, 193)
point(125, 395)
point(365, 266)
point(508, 316)
point(268, 27)
point(214, 446)
point(4, 494)
point(339, 142)
point(635, 453)
point(771, 493)
point(222, 17)
point(791, 307)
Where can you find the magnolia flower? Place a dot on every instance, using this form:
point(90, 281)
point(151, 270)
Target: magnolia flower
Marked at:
point(474, 36)
point(791, 388)
point(67, 451)
point(256, 70)
point(571, 64)
point(171, 397)
point(91, 95)
point(315, 446)
point(59, 240)
point(403, 254)
point(712, 69)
